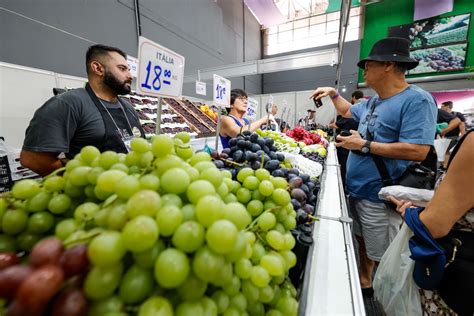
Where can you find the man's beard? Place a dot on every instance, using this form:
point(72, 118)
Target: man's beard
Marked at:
point(120, 88)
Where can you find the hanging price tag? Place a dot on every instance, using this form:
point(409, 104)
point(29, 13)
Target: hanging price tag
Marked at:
point(200, 88)
point(221, 91)
point(160, 70)
point(252, 106)
point(132, 65)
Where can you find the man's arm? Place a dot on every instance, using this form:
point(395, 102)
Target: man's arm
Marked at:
point(462, 128)
point(398, 150)
point(452, 125)
point(402, 151)
point(42, 163)
point(342, 105)
point(230, 128)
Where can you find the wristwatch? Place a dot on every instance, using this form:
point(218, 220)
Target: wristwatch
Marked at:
point(366, 147)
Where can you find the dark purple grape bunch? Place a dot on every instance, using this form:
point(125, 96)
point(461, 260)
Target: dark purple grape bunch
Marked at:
point(249, 150)
point(304, 193)
point(314, 156)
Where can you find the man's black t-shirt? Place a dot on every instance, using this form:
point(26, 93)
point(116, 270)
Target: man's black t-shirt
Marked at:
point(68, 122)
point(446, 117)
point(346, 123)
point(460, 116)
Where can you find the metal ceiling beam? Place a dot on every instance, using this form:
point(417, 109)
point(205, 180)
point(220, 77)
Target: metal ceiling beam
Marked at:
point(327, 57)
point(343, 23)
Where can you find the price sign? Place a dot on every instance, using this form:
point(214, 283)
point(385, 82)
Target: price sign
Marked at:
point(200, 88)
point(221, 91)
point(132, 65)
point(160, 70)
point(252, 106)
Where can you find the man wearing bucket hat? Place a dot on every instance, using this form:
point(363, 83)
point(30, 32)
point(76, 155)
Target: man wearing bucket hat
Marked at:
point(398, 124)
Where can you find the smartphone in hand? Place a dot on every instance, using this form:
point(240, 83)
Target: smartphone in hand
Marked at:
point(317, 102)
point(344, 133)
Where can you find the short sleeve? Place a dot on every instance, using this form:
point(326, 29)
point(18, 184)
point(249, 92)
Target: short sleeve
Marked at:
point(418, 122)
point(445, 117)
point(51, 128)
point(356, 110)
point(461, 116)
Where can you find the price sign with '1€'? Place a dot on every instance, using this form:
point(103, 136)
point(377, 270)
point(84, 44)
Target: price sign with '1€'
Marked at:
point(160, 70)
point(221, 91)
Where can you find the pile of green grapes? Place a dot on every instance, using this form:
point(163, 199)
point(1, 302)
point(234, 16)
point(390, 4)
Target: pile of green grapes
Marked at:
point(167, 233)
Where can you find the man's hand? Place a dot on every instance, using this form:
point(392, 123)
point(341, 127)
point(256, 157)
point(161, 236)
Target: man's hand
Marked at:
point(402, 205)
point(323, 92)
point(353, 142)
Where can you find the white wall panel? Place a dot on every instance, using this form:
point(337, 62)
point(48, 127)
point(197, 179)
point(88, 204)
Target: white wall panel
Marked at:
point(22, 91)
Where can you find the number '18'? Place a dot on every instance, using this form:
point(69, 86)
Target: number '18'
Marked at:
point(156, 84)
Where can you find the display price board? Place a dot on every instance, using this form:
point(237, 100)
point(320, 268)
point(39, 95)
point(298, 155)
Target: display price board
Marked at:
point(252, 106)
point(160, 70)
point(200, 88)
point(221, 91)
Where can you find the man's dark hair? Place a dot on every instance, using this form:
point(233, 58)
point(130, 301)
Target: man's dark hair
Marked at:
point(358, 94)
point(400, 67)
point(236, 93)
point(449, 104)
point(100, 50)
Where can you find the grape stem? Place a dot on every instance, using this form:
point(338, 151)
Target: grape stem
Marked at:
point(81, 240)
point(110, 200)
point(261, 239)
point(252, 224)
point(312, 218)
point(55, 172)
point(231, 162)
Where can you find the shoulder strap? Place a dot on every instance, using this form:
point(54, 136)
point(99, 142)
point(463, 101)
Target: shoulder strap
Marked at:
point(235, 120)
point(386, 179)
point(458, 145)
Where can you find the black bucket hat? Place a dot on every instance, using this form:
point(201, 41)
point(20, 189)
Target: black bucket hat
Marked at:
point(391, 49)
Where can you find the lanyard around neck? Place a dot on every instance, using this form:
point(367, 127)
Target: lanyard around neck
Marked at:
point(123, 111)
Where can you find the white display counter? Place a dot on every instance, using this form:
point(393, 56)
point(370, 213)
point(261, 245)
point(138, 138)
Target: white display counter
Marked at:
point(331, 284)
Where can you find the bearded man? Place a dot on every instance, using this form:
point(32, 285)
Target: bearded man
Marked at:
point(94, 115)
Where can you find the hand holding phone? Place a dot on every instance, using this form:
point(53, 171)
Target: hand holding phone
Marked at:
point(343, 133)
point(317, 102)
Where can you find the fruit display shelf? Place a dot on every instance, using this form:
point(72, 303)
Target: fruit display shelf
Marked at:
point(194, 121)
point(194, 108)
point(171, 122)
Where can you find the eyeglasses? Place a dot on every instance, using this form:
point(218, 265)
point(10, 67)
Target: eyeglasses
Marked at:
point(243, 99)
point(366, 66)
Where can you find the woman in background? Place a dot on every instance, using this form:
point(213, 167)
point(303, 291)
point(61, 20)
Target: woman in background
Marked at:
point(234, 123)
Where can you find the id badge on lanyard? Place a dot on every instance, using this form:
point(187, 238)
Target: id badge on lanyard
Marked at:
point(128, 139)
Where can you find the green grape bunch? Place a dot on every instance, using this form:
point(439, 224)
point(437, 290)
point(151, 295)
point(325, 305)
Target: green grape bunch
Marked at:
point(167, 232)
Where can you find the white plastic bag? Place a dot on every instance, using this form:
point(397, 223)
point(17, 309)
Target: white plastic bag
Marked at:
point(394, 286)
point(419, 197)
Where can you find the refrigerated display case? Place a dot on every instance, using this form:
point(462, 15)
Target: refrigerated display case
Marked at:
point(331, 282)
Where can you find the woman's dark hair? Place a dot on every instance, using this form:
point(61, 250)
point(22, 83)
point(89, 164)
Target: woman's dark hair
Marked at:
point(236, 93)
